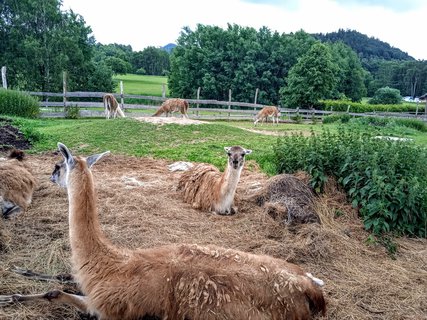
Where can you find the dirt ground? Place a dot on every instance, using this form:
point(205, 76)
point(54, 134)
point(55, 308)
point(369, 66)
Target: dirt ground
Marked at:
point(166, 120)
point(139, 207)
point(11, 137)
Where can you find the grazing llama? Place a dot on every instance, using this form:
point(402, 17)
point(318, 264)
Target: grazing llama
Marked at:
point(206, 188)
point(111, 106)
point(264, 113)
point(177, 281)
point(17, 184)
point(173, 105)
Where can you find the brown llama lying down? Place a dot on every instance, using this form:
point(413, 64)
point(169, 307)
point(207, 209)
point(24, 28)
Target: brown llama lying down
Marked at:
point(17, 184)
point(178, 281)
point(173, 105)
point(206, 188)
point(111, 106)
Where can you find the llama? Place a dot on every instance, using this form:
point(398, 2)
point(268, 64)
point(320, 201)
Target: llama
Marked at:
point(111, 106)
point(17, 184)
point(206, 188)
point(264, 113)
point(177, 281)
point(173, 105)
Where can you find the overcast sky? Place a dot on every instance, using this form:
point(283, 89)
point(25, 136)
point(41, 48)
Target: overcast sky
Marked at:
point(140, 24)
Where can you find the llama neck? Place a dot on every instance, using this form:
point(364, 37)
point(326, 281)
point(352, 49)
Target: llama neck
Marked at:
point(230, 179)
point(86, 237)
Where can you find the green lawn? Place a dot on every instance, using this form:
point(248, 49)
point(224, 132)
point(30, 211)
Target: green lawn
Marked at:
point(201, 143)
point(142, 85)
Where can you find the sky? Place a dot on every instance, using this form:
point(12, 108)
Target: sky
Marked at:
point(402, 24)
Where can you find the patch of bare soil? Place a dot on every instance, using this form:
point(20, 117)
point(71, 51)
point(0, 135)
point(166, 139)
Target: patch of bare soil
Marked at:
point(140, 207)
point(11, 137)
point(277, 133)
point(168, 120)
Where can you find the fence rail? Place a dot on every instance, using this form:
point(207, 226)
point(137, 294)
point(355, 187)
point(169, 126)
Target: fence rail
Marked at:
point(199, 108)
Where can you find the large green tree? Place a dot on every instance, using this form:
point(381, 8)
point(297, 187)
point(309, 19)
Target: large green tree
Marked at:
point(312, 78)
point(350, 73)
point(238, 58)
point(38, 41)
point(153, 60)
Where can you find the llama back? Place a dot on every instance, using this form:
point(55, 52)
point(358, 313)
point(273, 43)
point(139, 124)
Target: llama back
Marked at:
point(200, 186)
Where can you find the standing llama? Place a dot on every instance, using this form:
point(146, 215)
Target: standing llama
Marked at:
point(173, 105)
point(111, 106)
point(17, 184)
point(206, 188)
point(177, 281)
point(266, 112)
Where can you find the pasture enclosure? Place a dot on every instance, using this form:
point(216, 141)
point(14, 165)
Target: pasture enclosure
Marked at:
point(89, 104)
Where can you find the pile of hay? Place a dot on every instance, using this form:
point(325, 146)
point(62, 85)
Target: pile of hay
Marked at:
point(287, 199)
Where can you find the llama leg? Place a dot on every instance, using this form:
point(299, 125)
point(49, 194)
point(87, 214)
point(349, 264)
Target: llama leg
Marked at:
point(55, 296)
point(61, 278)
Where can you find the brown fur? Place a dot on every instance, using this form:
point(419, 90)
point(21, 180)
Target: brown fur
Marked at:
point(17, 182)
point(111, 106)
point(178, 281)
point(206, 188)
point(173, 105)
point(264, 113)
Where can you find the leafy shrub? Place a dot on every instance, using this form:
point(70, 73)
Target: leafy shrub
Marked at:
point(16, 103)
point(72, 112)
point(386, 180)
point(357, 107)
point(386, 96)
point(297, 118)
point(415, 124)
point(343, 118)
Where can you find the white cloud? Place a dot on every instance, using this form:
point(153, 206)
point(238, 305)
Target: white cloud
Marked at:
point(160, 22)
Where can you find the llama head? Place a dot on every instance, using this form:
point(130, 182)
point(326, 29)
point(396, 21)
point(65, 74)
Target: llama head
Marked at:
point(236, 156)
point(63, 168)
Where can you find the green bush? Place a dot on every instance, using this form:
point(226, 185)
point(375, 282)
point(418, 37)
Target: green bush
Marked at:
point(386, 180)
point(16, 103)
point(357, 107)
point(386, 96)
point(343, 118)
point(415, 124)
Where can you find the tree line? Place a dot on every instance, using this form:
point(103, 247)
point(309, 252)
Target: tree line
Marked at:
point(39, 41)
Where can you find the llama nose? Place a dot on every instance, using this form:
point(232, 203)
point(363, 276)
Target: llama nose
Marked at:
point(235, 161)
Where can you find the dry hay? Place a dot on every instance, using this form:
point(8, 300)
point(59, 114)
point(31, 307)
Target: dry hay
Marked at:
point(287, 199)
point(362, 281)
point(169, 120)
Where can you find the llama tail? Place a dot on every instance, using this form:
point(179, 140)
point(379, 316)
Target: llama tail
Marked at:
point(158, 112)
point(120, 112)
point(315, 298)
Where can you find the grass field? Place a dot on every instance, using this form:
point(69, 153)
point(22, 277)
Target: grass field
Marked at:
point(141, 84)
point(201, 143)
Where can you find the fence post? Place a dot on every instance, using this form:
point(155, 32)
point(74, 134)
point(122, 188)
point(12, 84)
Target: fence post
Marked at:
point(163, 90)
point(122, 99)
point(64, 89)
point(255, 100)
point(229, 103)
point(198, 98)
point(348, 108)
point(3, 77)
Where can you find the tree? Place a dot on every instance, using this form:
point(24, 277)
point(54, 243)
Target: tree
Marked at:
point(39, 42)
point(386, 96)
point(312, 78)
point(153, 60)
point(238, 58)
point(350, 73)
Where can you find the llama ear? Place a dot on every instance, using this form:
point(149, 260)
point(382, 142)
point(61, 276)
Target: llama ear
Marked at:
point(227, 149)
point(91, 160)
point(68, 157)
point(248, 151)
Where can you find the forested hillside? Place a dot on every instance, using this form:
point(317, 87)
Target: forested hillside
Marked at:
point(366, 47)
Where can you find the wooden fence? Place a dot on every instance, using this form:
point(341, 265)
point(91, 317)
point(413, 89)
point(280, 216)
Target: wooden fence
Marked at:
point(90, 105)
